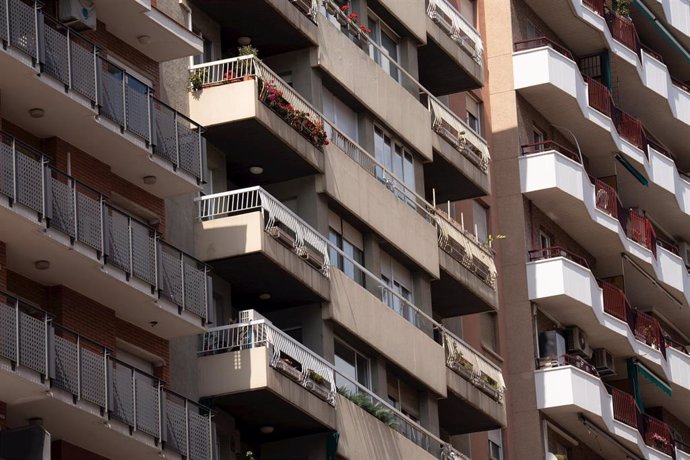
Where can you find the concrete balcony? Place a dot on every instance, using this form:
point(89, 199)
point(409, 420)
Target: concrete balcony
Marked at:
point(245, 232)
point(94, 105)
point(579, 402)
point(87, 397)
point(673, 13)
point(131, 19)
point(452, 59)
point(96, 249)
point(248, 108)
point(264, 377)
point(475, 388)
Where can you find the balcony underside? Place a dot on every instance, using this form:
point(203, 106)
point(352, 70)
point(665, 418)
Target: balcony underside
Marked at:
point(459, 291)
point(444, 66)
point(70, 117)
point(452, 175)
point(479, 411)
point(672, 14)
point(275, 26)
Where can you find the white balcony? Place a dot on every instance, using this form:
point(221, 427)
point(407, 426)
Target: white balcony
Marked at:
point(94, 105)
point(94, 248)
point(87, 397)
point(131, 19)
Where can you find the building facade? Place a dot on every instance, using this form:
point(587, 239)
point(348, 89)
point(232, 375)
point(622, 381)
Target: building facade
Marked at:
point(248, 229)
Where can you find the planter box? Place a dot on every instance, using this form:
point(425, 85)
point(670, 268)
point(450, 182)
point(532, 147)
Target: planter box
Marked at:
point(288, 370)
point(319, 390)
point(462, 368)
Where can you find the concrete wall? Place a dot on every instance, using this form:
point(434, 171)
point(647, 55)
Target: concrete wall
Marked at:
point(411, 13)
point(224, 103)
point(229, 236)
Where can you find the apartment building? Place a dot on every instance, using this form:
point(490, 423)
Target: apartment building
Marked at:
point(247, 229)
point(589, 120)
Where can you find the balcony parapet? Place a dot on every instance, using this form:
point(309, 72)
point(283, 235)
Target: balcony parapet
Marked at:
point(65, 361)
point(457, 27)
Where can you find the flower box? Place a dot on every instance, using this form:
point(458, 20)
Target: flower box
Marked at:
point(285, 367)
point(319, 389)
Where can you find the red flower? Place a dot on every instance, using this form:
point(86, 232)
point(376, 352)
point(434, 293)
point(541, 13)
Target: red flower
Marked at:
point(353, 17)
point(345, 8)
point(364, 29)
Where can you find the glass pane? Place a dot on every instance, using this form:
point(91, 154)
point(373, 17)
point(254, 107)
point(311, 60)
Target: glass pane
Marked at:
point(345, 364)
point(336, 239)
point(363, 371)
point(390, 46)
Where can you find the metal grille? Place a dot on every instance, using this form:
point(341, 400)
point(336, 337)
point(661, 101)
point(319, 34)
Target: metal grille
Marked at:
point(121, 389)
point(137, 108)
point(93, 377)
point(6, 168)
point(198, 436)
point(111, 97)
point(32, 346)
point(29, 186)
point(143, 253)
point(23, 27)
point(165, 137)
point(195, 287)
point(83, 56)
point(189, 148)
point(66, 372)
point(148, 395)
point(8, 326)
point(175, 426)
point(4, 32)
point(56, 57)
point(62, 205)
point(89, 219)
point(171, 274)
point(118, 241)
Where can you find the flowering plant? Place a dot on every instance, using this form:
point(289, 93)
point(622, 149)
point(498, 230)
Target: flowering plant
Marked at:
point(659, 440)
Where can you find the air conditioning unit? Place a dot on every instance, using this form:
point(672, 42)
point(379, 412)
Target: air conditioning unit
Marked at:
point(551, 344)
point(251, 315)
point(684, 249)
point(603, 361)
point(78, 14)
point(576, 342)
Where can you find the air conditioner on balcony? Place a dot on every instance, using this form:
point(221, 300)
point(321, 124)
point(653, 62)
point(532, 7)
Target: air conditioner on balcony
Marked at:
point(576, 342)
point(603, 361)
point(78, 14)
point(684, 249)
point(251, 315)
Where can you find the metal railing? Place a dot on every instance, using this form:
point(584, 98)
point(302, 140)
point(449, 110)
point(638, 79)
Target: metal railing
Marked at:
point(261, 333)
point(287, 355)
point(539, 42)
point(641, 230)
point(471, 365)
point(456, 27)
point(606, 198)
point(556, 251)
point(624, 407)
point(548, 145)
point(91, 374)
point(85, 216)
point(63, 54)
point(310, 8)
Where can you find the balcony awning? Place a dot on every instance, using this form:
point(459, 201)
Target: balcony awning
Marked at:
point(631, 169)
point(639, 369)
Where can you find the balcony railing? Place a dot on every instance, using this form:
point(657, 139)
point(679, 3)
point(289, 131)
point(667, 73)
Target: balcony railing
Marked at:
point(625, 408)
point(549, 145)
point(606, 198)
point(539, 42)
point(69, 58)
point(472, 366)
point(87, 218)
point(90, 374)
point(456, 27)
point(310, 8)
point(640, 230)
point(294, 360)
point(556, 251)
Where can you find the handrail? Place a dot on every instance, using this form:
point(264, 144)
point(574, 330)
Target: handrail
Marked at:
point(538, 42)
point(442, 11)
point(546, 145)
point(556, 251)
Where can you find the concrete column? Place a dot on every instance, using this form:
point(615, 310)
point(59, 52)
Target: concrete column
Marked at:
point(408, 61)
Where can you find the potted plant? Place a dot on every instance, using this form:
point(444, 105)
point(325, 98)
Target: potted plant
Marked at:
point(622, 8)
point(490, 386)
point(458, 363)
point(247, 50)
point(317, 384)
point(196, 79)
point(289, 367)
point(376, 409)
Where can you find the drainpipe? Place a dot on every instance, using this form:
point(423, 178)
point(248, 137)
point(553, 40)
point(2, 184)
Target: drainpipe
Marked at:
point(662, 29)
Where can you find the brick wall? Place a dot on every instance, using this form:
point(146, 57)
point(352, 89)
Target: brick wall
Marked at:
point(27, 289)
point(61, 450)
point(147, 341)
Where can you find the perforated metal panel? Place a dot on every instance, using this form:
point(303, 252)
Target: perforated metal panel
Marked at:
point(111, 93)
point(6, 170)
point(171, 274)
point(66, 364)
point(143, 253)
point(23, 27)
point(8, 326)
point(198, 436)
point(29, 182)
point(62, 206)
point(190, 148)
point(176, 430)
point(89, 220)
point(4, 25)
point(137, 109)
point(82, 56)
point(32, 343)
point(118, 241)
point(148, 396)
point(93, 377)
point(55, 46)
point(121, 393)
point(195, 287)
point(164, 132)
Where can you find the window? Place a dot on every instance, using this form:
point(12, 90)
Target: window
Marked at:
point(341, 115)
point(480, 215)
point(467, 10)
point(537, 135)
point(402, 396)
point(474, 114)
point(396, 159)
point(545, 240)
point(351, 364)
point(533, 31)
point(207, 55)
point(399, 280)
point(495, 445)
point(346, 238)
point(489, 327)
point(388, 41)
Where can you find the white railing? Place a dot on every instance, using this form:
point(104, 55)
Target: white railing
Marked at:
point(275, 213)
point(459, 135)
point(287, 355)
point(467, 361)
point(459, 29)
point(294, 359)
